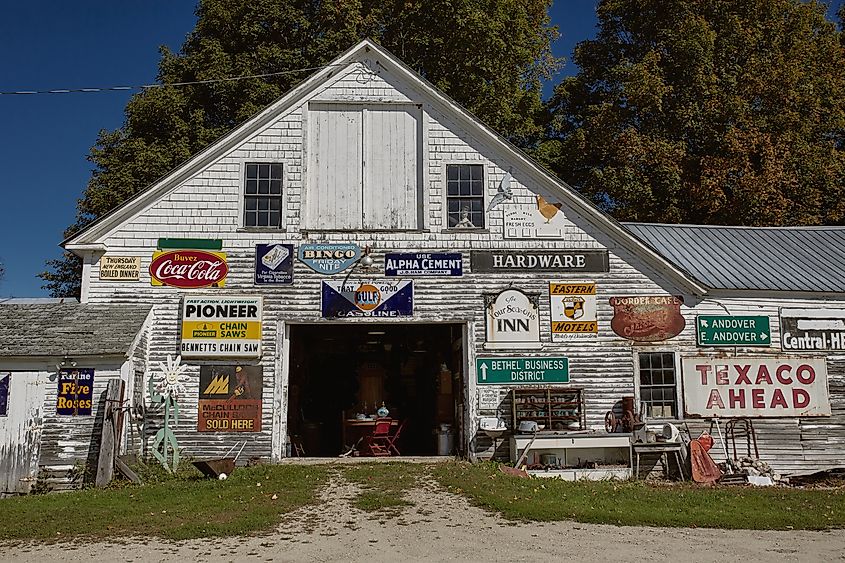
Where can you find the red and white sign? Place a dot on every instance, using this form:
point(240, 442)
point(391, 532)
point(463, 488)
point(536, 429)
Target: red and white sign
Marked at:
point(189, 269)
point(755, 387)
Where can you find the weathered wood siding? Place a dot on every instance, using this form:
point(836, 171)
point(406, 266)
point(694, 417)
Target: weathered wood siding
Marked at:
point(207, 206)
point(20, 431)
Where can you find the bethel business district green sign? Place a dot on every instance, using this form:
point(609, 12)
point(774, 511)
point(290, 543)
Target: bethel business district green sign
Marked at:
point(724, 330)
point(521, 371)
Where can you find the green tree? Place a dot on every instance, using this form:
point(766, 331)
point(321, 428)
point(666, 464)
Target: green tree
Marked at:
point(491, 56)
point(706, 111)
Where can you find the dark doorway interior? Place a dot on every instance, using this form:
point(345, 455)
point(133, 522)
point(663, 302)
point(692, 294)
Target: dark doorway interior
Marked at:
point(339, 373)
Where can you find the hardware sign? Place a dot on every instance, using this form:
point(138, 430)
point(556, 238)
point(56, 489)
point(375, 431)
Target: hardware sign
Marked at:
point(273, 264)
point(733, 330)
point(422, 264)
point(189, 269)
point(521, 371)
point(558, 261)
point(380, 298)
point(329, 258)
point(76, 392)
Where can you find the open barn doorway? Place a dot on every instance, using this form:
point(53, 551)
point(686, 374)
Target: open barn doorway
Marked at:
point(342, 374)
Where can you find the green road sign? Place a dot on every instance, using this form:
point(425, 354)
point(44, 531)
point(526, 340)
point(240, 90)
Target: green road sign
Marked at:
point(733, 330)
point(521, 371)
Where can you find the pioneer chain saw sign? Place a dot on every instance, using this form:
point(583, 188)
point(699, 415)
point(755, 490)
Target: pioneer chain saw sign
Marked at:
point(221, 327)
point(376, 298)
point(755, 387)
point(189, 269)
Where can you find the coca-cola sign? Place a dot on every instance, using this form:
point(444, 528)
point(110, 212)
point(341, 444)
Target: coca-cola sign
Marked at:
point(189, 269)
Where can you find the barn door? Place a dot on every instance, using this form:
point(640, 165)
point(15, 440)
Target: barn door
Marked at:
point(20, 428)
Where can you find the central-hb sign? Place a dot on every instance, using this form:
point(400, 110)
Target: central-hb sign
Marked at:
point(755, 386)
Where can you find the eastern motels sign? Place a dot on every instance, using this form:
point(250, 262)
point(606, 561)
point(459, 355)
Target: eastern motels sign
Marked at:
point(540, 261)
point(221, 327)
point(512, 320)
point(748, 386)
point(230, 399)
point(573, 307)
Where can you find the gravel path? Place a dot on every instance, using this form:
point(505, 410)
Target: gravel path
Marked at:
point(444, 527)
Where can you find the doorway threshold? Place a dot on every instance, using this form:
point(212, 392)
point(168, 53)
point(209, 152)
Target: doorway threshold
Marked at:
point(364, 459)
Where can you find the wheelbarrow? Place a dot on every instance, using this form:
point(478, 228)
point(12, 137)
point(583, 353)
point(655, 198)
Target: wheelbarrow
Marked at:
point(221, 467)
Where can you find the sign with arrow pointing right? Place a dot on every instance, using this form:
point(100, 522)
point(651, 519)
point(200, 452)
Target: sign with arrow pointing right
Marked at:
point(733, 330)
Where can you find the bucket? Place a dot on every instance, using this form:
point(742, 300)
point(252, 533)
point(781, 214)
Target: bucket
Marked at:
point(445, 439)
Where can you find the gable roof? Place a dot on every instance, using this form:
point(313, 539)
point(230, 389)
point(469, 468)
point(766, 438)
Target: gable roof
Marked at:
point(93, 235)
point(73, 329)
point(793, 259)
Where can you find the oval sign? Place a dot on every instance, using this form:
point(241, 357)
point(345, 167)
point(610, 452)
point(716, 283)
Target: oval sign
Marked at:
point(189, 269)
point(329, 258)
point(647, 318)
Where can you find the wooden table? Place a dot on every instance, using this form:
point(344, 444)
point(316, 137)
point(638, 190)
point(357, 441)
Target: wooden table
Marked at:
point(354, 429)
point(662, 448)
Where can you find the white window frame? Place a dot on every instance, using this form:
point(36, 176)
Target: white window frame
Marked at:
point(242, 194)
point(4, 374)
point(679, 397)
point(444, 200)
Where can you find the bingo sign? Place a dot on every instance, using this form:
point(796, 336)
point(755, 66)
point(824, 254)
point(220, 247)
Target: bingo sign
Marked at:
point(221, 327)
point(76, 392)
point(745, 386)
point(273, 264)
point(368, 299)
point(329, 258)
point(188, 269)
point(230, 399)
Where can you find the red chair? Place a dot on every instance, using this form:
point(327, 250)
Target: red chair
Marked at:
point(393, 438)
point(378, 443)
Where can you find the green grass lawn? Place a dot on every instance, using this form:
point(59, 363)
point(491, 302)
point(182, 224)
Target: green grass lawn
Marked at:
point(182, 507)
point(630, 503)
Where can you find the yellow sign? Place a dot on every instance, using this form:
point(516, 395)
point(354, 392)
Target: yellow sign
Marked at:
point(250, 330)
point(120, 268)
point(221, 327)
point(573, 308)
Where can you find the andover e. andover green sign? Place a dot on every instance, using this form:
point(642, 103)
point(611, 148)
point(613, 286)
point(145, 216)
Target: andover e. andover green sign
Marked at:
point(521, 371)
point(733, 330)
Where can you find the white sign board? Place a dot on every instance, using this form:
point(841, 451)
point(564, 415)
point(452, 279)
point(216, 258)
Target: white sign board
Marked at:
point(539, 220)
point(746, 386)
point(120, 268)
point(512, 321)
point(488, 399)
point(221, 327)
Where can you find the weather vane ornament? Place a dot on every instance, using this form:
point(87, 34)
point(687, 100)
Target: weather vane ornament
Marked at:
point(165, 387)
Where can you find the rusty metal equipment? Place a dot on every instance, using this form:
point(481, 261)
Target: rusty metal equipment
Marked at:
point(222, 467)
point(742, 428)
point(629, 418)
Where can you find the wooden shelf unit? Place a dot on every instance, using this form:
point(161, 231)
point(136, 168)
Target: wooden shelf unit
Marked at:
point(555, 408)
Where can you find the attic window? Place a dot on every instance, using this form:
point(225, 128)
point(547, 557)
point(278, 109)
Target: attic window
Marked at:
point(465, 196)
point(262, 194)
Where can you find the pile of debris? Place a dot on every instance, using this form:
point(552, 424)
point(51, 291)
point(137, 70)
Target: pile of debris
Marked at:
point(750, 470)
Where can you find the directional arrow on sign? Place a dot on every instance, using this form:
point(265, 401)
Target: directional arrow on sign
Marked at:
point(484, 372)
point(764, 336)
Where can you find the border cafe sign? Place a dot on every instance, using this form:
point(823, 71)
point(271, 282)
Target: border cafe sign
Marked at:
point(512, 320)
point(747, 386)
point(221, 327)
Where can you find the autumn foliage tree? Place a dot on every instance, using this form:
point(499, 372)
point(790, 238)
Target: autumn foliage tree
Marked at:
point(491, 56)
point(706, 111)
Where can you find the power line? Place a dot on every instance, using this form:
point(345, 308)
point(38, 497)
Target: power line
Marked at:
point(152, 86)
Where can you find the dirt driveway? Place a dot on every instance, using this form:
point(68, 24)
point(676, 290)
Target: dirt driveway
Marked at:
point(444, 527)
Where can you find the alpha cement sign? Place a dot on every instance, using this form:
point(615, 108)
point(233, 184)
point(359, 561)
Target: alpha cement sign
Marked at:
point(512, 320)
point(747, 386)
point(558, 261)
point(423, 264)
point(812, 329)
point(221, 327)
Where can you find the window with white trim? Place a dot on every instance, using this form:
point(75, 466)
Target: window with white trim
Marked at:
point(5, 383)
point(658, 384)
point(465, 196)
point(262, 194)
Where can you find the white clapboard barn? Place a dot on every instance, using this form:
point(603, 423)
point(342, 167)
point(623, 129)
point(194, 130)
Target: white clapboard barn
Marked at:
point(364, 241)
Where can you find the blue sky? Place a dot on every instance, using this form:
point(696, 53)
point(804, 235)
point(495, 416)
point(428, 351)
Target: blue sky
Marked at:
point(45, 138)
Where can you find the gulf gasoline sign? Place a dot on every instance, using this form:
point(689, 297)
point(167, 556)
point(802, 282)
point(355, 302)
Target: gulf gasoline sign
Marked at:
point(221, 327)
